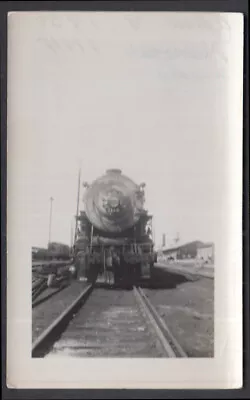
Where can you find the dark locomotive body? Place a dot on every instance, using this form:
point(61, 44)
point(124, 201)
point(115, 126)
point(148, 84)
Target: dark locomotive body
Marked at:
point(114, 231)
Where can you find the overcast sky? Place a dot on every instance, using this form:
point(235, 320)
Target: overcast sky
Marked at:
point(146, 93)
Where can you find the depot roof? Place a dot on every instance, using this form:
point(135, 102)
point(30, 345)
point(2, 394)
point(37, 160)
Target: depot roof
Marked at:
point(197, 244)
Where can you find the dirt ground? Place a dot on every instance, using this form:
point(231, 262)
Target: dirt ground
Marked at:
point(45, 313)
point(185, 302)
point(187, 306)
point(190, 269)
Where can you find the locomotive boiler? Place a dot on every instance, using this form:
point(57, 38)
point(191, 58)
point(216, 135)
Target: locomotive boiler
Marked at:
point(114, 231)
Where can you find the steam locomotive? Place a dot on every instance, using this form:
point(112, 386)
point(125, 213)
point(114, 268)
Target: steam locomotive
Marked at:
point(114, 231)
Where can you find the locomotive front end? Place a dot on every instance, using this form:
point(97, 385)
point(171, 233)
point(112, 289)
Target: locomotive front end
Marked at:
point(113, 202)
point(114, 235)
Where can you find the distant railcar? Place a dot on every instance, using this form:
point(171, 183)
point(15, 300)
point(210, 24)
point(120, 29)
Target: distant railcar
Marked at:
point(55, 251)
point(58, 251)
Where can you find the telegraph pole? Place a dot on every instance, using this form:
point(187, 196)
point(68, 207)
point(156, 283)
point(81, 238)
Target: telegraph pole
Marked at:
point(163, 240)
point(71, 235)
point(50, 219)
point(77, 203)
point(177, 239)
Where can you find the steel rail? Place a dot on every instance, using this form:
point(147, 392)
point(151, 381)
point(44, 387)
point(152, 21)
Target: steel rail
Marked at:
point(45, 341)
point(38, 289)
point(49, 296)
point(170, 345)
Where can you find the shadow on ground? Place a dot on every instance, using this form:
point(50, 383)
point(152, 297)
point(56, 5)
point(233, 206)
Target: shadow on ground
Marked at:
point(165, 279)
point(162, 279)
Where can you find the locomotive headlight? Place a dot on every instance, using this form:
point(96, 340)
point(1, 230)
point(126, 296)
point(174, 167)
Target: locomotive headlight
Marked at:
point(113, 201)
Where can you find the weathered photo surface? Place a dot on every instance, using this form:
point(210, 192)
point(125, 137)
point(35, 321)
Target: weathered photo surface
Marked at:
point(126, 129)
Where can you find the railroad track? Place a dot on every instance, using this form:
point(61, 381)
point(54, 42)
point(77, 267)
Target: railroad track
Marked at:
point(51, 293)
point(38, 286)
point(49, 262)
point(169, 343)
point(108, 323)
point(40, 280)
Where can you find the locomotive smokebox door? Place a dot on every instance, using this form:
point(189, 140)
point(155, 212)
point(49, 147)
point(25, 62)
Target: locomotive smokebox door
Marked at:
point(113, 202)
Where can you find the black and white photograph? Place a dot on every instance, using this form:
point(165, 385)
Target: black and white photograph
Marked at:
point(126, 130)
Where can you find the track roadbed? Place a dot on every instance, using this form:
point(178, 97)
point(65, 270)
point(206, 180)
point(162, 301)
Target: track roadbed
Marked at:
point(191, 270)
point(44, 314)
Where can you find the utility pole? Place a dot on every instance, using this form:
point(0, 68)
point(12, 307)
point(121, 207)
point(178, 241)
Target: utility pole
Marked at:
point(163, 240)
point(177, 239)
point(71, 235)
point(50, 219)
point(77, 203)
